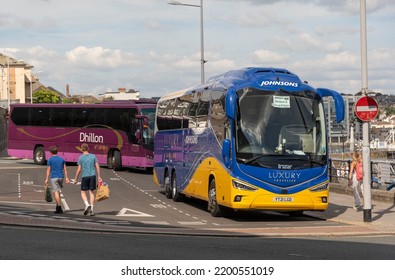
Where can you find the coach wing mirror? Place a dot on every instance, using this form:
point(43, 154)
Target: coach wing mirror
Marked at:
point(339, 102)
point(226, 152)
point(231, 101)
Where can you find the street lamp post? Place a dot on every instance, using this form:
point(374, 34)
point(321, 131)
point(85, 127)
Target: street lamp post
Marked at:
point(31, 89)
point(367, 200)
point(202, 61)
point(8, 86)
point(2, 82)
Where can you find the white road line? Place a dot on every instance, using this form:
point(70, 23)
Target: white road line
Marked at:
point(155, 222)
point(191, 223)
point(134, 213)
point(19, 185)
point(63, 201)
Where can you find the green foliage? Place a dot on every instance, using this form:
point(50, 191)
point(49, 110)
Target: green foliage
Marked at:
point(389, 110)
point(46, 96)
point(70, 100)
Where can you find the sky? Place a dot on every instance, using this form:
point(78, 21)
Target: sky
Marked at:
point(150, 46)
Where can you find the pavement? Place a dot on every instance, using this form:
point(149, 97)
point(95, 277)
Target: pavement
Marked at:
point(378, 219)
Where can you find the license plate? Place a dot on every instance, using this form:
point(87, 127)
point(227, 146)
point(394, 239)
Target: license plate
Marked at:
point(283, 199)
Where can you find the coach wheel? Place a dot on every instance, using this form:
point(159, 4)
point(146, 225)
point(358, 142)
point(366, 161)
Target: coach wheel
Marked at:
point(39, 155)
point(116, 160)
point(213, 206)
point(167, 185)
point(174, 192)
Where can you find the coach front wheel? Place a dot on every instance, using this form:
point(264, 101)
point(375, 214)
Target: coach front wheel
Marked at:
point(115, 162)
point(213, 206)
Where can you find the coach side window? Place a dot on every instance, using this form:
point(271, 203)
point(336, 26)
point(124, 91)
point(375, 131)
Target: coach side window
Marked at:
point(39, 116)
point(218, 116)
point(202, 110)
point(60, 117)
point(19, 116)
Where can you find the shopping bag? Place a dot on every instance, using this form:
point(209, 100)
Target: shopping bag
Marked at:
point(103, 191)
point(48, 195)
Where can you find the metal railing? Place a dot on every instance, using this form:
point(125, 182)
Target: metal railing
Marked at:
point(339, 171)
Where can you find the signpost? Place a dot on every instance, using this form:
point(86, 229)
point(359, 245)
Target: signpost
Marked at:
point(366, 108)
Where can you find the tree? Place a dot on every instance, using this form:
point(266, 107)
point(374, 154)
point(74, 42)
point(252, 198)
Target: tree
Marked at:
point(46, 96)
point(389, 110)
point(70, 100)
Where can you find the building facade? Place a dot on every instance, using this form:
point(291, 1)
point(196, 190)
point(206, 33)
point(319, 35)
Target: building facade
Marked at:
point(121, 94)
point(16, 81)
point(346, 133)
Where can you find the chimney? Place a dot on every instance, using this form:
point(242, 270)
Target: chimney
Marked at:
point(67, 90)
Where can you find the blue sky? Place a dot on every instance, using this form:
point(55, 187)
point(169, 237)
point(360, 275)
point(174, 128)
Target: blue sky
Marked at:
point(150, 46)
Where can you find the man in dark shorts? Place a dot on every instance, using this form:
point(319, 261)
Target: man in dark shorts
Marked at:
point(89, 168)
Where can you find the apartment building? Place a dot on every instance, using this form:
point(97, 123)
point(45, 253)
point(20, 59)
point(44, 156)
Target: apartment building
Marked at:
point(17, 81)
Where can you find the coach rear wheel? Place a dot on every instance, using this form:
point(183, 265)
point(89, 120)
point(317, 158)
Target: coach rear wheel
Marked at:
point(174, 192)
point(167, 185)
point(39, 156)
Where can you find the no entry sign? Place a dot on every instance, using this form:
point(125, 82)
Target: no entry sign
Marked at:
point(366, 108)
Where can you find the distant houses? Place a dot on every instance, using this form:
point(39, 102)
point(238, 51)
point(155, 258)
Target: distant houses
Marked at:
point(121, 94)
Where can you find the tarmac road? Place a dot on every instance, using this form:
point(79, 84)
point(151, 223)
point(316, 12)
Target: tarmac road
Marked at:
point(341, 219)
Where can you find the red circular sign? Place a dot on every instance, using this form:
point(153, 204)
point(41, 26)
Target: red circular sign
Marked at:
point(366, 108)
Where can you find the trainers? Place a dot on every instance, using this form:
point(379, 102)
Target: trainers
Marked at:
point(58, 210)
point(357, 207)
point(91, 213)
point(87, 209)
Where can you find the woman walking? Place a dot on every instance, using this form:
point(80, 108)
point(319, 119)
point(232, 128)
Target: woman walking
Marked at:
point(356, 178)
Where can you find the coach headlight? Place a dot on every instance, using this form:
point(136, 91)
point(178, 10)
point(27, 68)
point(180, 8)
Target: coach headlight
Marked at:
point(320, 188)
point(242, 186)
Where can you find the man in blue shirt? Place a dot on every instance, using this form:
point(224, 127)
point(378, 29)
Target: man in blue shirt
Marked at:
point(56, 170)
point(89, 167)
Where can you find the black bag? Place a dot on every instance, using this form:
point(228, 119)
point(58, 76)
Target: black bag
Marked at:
point(48, 195)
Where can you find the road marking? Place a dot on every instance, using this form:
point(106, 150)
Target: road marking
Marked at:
point(135, 213)
point(155, 222)
point(63, 201)
point(191, 223)
point(27, 182)
point(19, 185)
point(158, 206)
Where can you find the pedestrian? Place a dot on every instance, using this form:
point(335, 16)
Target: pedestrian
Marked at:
point(56, 171)
point(89, 168)
point(356, 178)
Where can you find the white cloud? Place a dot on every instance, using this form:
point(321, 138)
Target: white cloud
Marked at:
point(269, 57)
point(100, 57)
point(311, 42)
